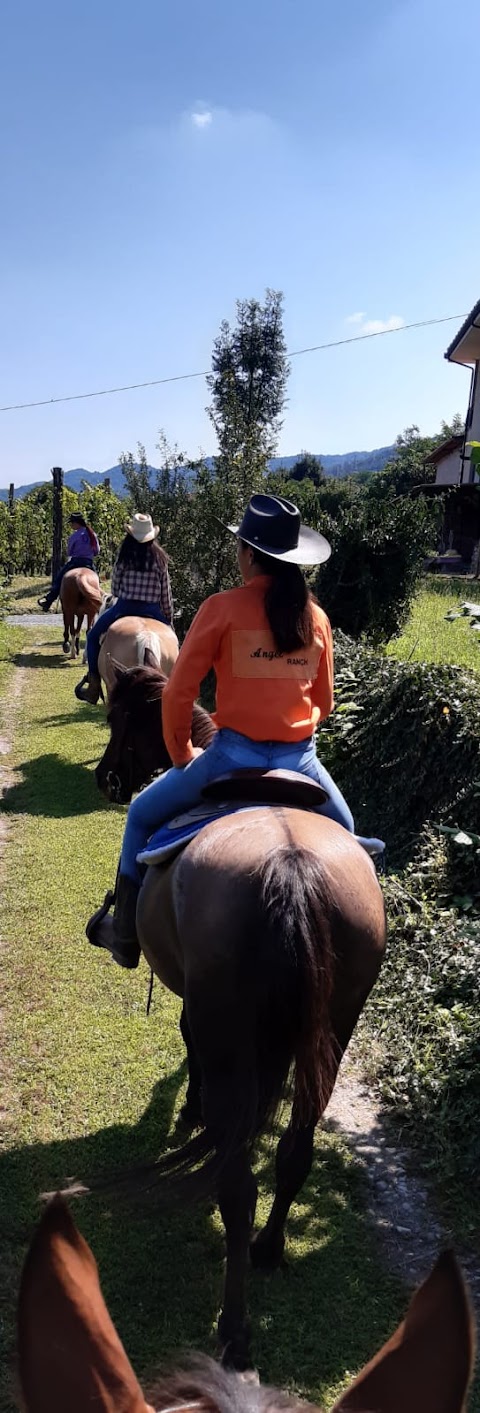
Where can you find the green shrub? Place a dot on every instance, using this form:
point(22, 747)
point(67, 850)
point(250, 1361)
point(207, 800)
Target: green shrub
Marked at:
point(404, 745)
point(422, 1030)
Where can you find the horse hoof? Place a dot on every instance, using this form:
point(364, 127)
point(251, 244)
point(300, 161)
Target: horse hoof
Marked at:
point(234, 1345)
point(66, 647)
point(191, 1116)
point(267, 1254)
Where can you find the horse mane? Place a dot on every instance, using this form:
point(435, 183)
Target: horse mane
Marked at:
point(145, 685)
point(218, 1390)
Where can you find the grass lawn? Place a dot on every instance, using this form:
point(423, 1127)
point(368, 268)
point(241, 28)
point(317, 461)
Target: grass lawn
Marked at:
point(89, 1084)
point(428, 638)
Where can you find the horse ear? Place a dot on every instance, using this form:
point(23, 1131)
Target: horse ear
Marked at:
point(151, 660)
point(70, 1354)
point(427, 1363)
point(118, 671)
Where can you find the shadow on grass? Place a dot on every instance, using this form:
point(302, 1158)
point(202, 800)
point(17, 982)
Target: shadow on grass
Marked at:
point(53, 787)
point(36, 659)
point(81, 714)
point(161, 1265)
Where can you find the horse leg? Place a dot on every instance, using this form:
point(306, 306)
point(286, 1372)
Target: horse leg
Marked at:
point(295, 1150)
point(191, 1113)
point(292, 1166)
point(78, 630)
point(66, 631)
point(237, 1199)
point(236, 1191)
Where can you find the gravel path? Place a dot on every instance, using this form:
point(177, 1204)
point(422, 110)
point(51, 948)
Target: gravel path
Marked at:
point(35, 620)
point(411, 1232)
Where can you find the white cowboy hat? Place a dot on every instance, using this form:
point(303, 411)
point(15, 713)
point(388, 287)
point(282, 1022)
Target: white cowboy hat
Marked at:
point(142, 528)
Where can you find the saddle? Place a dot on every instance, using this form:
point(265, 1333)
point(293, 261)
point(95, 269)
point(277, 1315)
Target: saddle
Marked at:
point(267, 787)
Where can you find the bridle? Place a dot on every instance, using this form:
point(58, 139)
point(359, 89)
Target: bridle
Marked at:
point(125, 752)
point(113, 781)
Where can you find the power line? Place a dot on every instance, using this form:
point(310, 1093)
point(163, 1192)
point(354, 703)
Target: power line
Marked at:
point(186, 377)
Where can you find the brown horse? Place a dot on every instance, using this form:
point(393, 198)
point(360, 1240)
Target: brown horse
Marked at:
point(80, 597)
point(271, 927)
point(72, 1360)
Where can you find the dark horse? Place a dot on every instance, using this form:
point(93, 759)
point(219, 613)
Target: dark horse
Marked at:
point(271, 927)
point(71, 1357)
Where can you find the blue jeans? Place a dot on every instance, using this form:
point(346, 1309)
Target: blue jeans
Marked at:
point(180, 789)
point(123, 608)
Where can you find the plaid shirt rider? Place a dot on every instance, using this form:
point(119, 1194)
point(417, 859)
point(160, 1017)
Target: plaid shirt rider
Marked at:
point(153, 586)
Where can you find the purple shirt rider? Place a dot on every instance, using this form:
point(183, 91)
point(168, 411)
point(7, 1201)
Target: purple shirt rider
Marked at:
point(80, 544)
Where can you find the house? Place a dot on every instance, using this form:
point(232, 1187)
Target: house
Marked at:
point(455, 461)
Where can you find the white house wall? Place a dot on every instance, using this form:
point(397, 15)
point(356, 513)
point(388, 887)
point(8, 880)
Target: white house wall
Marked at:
point(448, 469)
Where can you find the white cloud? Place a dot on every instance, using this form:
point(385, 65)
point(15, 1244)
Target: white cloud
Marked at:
point(375, 326)
point(382, 326)
point(202, 119)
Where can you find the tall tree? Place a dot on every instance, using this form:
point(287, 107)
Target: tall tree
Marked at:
point(248, 389)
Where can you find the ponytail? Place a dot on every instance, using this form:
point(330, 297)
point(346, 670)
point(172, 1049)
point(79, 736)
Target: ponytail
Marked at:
point(92, 537)
point(288, 604)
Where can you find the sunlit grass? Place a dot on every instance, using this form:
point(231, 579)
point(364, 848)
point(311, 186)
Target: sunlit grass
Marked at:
point(429, 638)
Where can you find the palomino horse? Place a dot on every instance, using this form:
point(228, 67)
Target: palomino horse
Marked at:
point(80, 596)
point(130, 642)
point(71, 1357)
point(271, 927)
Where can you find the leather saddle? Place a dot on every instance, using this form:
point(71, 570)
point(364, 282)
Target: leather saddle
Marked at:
point(266, 787)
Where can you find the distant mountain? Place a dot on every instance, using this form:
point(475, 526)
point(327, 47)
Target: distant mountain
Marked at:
point(345, 464)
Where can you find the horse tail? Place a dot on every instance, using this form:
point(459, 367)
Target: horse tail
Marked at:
point(149, 652)
point(284, 993)
point(293, 962)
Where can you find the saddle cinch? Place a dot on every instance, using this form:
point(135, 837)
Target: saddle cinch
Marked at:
point(238, 792)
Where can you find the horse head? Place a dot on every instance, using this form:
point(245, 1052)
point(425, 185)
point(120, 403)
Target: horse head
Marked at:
point(71, 1356)
point(136, 750)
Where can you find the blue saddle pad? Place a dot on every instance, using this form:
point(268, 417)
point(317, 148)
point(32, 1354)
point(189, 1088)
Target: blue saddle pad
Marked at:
point(172, 837)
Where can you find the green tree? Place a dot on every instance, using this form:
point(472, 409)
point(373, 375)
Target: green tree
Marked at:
point(308, 467)
point(248, 389)
point(408, 469)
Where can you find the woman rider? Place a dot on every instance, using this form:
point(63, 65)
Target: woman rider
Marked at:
point(271, 647)
point(82, 549)
point(141, 585)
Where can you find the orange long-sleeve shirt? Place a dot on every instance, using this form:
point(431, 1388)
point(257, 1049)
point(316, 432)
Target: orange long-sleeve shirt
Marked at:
point(266, 695)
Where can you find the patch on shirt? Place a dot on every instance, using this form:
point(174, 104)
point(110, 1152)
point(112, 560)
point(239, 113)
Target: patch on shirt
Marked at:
point(254, 656)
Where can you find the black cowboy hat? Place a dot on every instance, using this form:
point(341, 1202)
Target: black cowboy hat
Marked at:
point(273, 526)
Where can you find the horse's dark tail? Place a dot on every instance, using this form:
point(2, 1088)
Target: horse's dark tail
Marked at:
point(295, 962)
point(285, 983)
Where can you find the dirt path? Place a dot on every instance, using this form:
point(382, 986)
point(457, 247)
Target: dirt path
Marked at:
point(411, 1233)
point(7, 730)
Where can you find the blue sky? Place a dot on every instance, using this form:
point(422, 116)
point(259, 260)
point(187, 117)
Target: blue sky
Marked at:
point(159, 160)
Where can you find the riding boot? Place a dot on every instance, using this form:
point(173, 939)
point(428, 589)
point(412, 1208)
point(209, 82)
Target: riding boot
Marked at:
point(118, 934)
point(89, 689)
point(45, 603)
